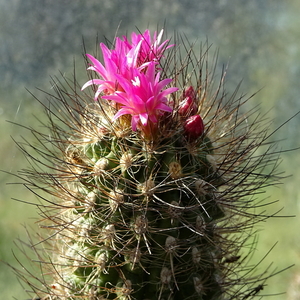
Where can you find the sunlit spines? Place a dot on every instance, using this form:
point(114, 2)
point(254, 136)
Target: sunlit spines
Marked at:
point(161, 216)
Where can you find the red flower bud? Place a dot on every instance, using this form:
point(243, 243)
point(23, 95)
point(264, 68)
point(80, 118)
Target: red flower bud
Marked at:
point(193, 127)
point(187, 107)
point(189, 92)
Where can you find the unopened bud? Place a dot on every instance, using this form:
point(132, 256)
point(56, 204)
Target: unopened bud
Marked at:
point(187, 107)
point(189, 92)
point(193, 127)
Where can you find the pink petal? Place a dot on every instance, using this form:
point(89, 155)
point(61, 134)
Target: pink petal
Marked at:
point(134, 122)
point(98, 67)
point(164, 107)
point(121, 112)
point(144, 118)
point(168, 91)
point(91, 82)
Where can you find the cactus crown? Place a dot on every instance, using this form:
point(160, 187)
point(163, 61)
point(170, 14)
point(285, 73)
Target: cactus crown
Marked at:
point(152, 181)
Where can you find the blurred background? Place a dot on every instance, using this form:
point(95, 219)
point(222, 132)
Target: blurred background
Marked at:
point(258, 39)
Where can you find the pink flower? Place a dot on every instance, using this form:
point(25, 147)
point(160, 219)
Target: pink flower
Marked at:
point(144, 97)
point(129, 76)
point(151, 50)
point(124, 59)
point(193, 127)
point(116, 62)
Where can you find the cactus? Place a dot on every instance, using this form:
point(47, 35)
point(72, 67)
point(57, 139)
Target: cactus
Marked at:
point(152, 181)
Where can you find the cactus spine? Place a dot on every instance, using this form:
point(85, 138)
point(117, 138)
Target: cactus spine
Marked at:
point(151, 193)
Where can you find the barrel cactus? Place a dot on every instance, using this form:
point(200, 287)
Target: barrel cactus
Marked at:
point(152, 173)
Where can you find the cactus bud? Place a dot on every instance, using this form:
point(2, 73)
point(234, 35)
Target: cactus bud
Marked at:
point(189, 92)
point(193, 127)
point(187, 107)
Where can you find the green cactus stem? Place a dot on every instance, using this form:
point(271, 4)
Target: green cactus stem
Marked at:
point(162, 210)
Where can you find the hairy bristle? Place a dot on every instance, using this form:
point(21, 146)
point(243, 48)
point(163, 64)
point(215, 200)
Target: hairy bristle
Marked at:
point(167, 217)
